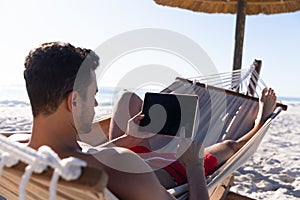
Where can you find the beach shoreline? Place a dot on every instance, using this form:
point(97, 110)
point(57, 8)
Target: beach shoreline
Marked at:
point(273, 172)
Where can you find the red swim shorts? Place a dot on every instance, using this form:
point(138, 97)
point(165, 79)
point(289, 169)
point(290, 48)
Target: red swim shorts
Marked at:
point(177, 171)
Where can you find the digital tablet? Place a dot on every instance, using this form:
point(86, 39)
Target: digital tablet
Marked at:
point(168, 113)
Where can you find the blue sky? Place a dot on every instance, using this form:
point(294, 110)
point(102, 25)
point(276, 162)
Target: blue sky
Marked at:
point(275, 39)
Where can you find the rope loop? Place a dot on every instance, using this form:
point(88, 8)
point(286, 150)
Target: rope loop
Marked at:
point(8, 160)
point(71, 168)
point(50, 157)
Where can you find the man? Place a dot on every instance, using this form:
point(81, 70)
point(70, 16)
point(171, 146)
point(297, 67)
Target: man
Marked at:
point(61, 85)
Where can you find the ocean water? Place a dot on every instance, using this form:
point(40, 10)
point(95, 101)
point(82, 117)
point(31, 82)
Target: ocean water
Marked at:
point(15, 94)
point(15, 111)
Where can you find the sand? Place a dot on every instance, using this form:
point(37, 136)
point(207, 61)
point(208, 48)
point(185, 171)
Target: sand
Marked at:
point(272, 173)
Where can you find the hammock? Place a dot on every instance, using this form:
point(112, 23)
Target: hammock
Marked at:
point(227, 110)
point(29, 174)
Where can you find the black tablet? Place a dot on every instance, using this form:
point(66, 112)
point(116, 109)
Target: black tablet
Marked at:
point(167, 113)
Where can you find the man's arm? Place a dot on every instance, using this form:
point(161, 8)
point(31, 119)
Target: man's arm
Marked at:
point(196, 181)
point(129, 176)
point(188, 156)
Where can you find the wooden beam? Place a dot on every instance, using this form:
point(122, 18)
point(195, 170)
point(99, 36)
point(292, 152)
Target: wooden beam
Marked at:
point(239, 34)
point(253, 80)
point(229, 92)
point(221, 191)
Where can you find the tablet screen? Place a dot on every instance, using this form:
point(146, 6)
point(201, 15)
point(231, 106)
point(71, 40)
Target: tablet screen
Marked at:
point(167, 113)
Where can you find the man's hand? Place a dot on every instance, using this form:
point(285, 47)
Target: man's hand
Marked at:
point(133, 127)
point(189, 152)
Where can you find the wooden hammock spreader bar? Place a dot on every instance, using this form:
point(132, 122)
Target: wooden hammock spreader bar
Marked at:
point(90, 185)
point(283, 106)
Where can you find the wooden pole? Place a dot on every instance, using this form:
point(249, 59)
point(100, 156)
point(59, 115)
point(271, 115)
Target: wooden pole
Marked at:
point(254, 79)
point(239, 35)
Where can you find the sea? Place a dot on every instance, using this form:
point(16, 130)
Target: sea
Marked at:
point(15, 110)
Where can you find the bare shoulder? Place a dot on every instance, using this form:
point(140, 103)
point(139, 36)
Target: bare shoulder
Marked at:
point(126, 171)
point(121, 159)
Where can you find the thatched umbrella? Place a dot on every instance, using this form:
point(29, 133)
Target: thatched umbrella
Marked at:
point(241, 8)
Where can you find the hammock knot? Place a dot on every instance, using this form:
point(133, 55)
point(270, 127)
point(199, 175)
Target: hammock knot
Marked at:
point(71, 168)
point(8, 160)
point(37, 166)
point(50, 156)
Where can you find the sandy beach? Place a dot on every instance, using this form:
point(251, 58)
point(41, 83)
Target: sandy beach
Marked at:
point(272, 173)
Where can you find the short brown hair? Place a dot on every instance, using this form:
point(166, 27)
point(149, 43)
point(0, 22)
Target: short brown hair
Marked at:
point(50, 74)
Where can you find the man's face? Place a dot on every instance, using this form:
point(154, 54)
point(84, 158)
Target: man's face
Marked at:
point(84, 110)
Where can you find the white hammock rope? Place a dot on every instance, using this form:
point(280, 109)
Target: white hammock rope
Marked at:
point(218, 74)
point(245, 79)
point(24, 181)
point(69, 169)
point(38, 161)
point(234, 76)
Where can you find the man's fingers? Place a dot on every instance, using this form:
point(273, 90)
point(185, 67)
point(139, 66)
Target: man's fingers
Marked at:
point(140, 117)
point(137, 118)
point(133, 127)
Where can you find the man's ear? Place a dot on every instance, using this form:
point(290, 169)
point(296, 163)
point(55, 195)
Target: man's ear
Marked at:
point(72, 100)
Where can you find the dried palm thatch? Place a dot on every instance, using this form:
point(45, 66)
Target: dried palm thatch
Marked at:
point(241, 8)
point(230, 6)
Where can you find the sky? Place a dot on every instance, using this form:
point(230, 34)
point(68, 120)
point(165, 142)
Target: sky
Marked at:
point(274, 39)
